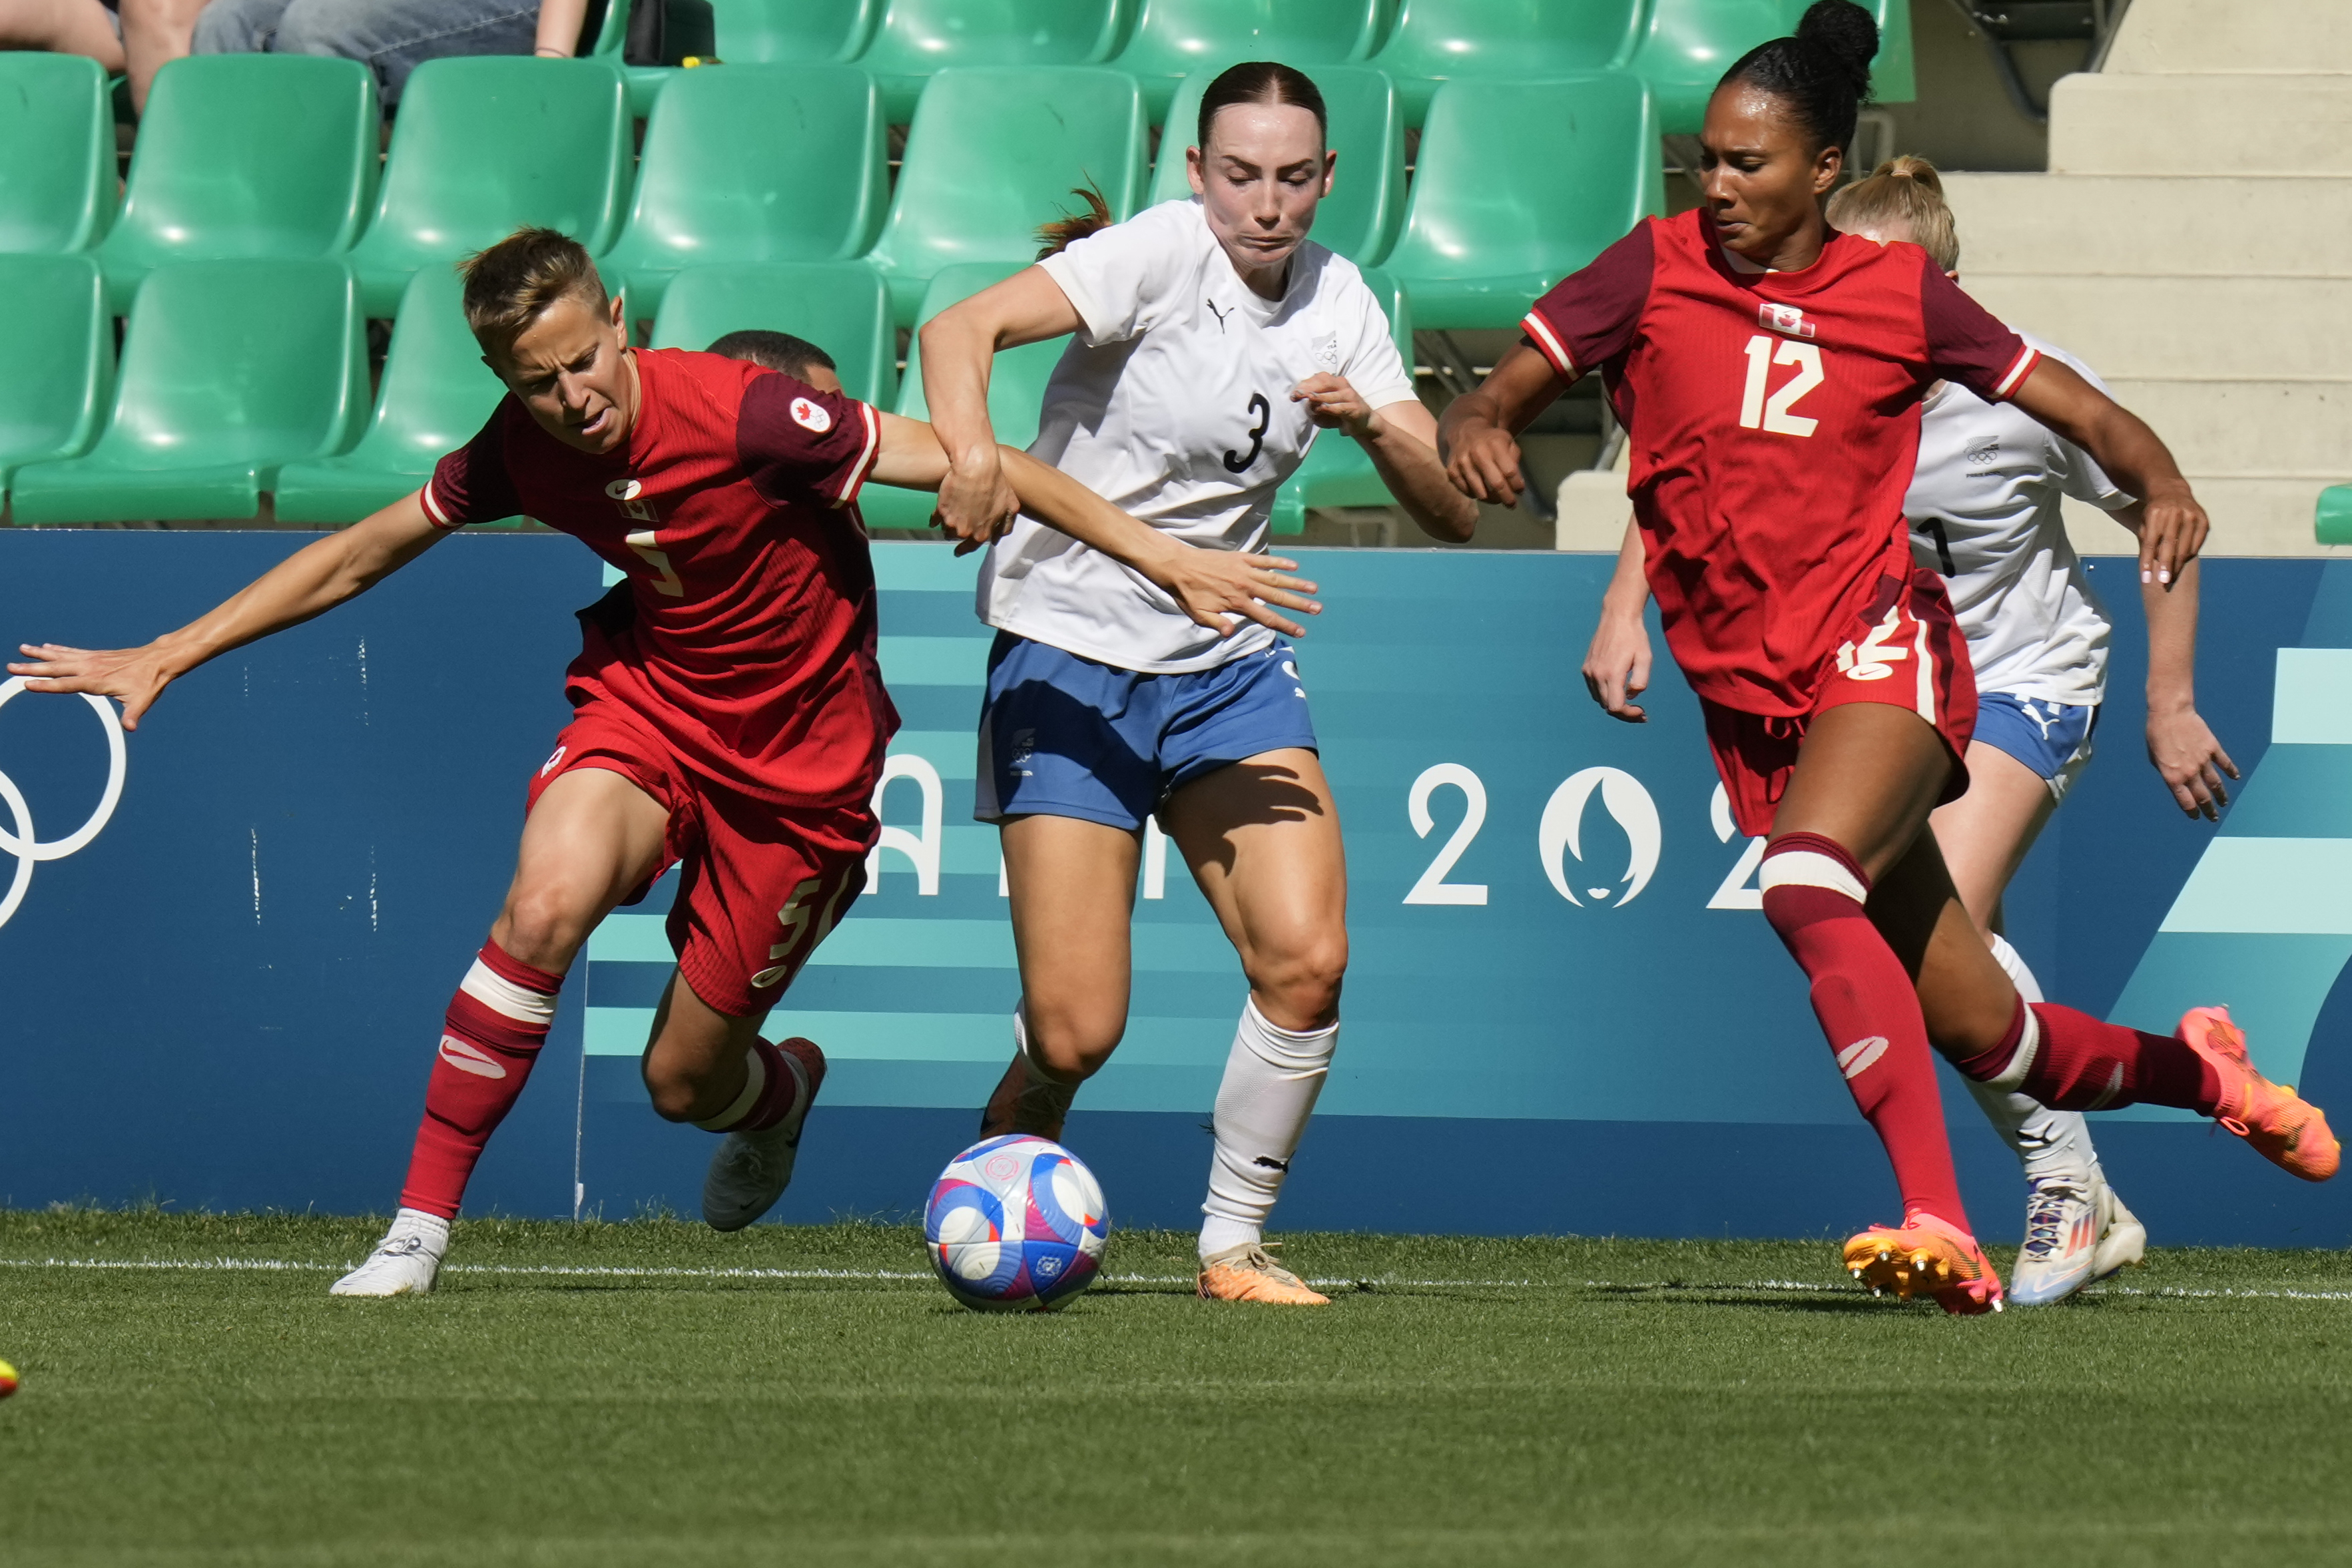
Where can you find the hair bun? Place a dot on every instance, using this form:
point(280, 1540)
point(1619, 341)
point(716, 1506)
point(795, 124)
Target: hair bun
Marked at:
point(1845, 32)
point(1911, 167)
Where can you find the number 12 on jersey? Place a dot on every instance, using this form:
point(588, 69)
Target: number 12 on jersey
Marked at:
point(1757, 413)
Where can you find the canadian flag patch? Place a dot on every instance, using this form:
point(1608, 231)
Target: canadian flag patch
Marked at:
point(1784, 318)
point(811, 416)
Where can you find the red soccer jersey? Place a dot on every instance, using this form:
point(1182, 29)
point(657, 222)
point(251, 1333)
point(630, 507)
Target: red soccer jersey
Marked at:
point(750, 652)
point(1774, 419)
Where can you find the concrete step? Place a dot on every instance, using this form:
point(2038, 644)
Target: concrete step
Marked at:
point(2153, 223)
point(2253, 428)
point(2234, 36)
point(2250, 517)
point(2171, 329)
point(2208, 123)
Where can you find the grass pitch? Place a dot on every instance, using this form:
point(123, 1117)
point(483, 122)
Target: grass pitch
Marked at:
point(652, 1393)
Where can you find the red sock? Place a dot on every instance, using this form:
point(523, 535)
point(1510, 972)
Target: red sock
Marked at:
point(770, 1092)
point(1814, 894)
point(489, 1037)
point(2075, 1062)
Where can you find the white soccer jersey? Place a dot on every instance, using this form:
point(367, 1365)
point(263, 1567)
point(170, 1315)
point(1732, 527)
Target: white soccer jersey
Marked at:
point(1172, 402)
point(1984, 510)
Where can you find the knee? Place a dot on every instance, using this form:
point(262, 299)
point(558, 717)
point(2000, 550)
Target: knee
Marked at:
point(1073, 1042)
point(542, 928)
point(1296, 982)
point(305, 28)
point(677, 1095)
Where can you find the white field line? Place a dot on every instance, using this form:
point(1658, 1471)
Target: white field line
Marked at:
point(281, 1265)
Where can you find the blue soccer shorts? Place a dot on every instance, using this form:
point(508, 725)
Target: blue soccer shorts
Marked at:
point(1061, 736)
point(2051, 738)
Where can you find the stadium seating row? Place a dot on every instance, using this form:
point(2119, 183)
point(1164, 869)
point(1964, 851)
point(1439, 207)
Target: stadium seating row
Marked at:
point(241, 377)
point(1678, 46)
point(258, 155)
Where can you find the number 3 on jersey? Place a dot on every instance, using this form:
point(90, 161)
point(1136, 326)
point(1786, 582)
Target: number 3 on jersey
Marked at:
point(1757, 413)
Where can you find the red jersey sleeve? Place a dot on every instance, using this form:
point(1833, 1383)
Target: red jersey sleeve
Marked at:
point(793, 440)
point(1589, 319)
point(1966, 343)
point(471, 484)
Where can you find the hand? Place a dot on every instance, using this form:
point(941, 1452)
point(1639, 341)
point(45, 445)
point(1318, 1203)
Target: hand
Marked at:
point(977, 504)
point(1334, 405)
point(1617, 667)
point(2172, 531)
point(2191, 761)
point(134, 677)
point(1485, 464)
point(1213, 585)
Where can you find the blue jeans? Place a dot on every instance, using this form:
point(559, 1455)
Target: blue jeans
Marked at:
point(391, 37)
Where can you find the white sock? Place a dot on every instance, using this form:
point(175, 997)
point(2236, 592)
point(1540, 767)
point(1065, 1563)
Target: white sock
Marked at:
point(431, 1228)
point(1271, 1078)
point(2047, 1143)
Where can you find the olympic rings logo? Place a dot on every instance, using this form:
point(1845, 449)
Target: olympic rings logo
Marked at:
point(21, 843)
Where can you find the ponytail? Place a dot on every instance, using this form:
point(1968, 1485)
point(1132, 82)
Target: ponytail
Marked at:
point(1905, 191)
point(1071, 227)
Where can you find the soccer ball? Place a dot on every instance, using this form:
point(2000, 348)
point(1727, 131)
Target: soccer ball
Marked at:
point(1015, 1225)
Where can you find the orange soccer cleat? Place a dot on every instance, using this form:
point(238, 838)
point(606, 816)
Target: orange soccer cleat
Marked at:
point(1246, 1274)
point(2284, 1128)
point(1926, 1256)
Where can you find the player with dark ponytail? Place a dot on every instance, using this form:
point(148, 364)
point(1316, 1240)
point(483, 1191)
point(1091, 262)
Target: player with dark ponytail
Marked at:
point(1769, 371)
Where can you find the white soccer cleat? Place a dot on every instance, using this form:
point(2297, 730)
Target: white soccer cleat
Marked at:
point(405, 1263)
point(751, 1170)
point(2122, 1239)
point(2062, 1234)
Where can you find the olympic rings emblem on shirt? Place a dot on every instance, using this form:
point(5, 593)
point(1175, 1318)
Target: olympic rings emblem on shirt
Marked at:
point(21, 843)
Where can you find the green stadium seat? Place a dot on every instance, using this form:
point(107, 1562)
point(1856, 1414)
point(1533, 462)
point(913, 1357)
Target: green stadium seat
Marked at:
point(246, 155)
point(994, 153)
point(1174, 39)
point(56, 152)
point(842, 307)
point(53, 400)
point(434, 395)
point(1498, 216)
point(918, 38)
point(484, 144)
point(1436, 41)
point(1337, 473)
point(1016, 390)
point(753, 163)
point(230, 369)
point(2332, 520)
point(791, 32)
point(1361, 218)
point(1687, 45)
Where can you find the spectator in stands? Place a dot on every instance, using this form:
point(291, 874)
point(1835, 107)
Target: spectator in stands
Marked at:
point(392, 37)
point(134, 36)
point(783, 353)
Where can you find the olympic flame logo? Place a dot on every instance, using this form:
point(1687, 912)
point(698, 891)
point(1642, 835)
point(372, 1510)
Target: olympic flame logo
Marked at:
point(21, 843)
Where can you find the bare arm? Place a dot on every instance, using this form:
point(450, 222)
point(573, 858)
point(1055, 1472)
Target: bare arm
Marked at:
point(1617, 664)
point(1401, 438)
point(558, 28)
point(2180, 745)
point(1475, 438)
point(2173, 525)
point(308, 583)
point(958, 345)
point(1210, 586)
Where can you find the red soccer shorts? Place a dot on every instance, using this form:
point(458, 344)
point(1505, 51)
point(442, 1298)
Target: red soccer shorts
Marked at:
point(760, 884)
point(1906, 650)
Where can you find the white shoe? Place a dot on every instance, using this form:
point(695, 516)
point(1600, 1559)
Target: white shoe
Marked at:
point(751, 1170)
point(405, 1262)
point(2062, 1233)
point(2122, 1238)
